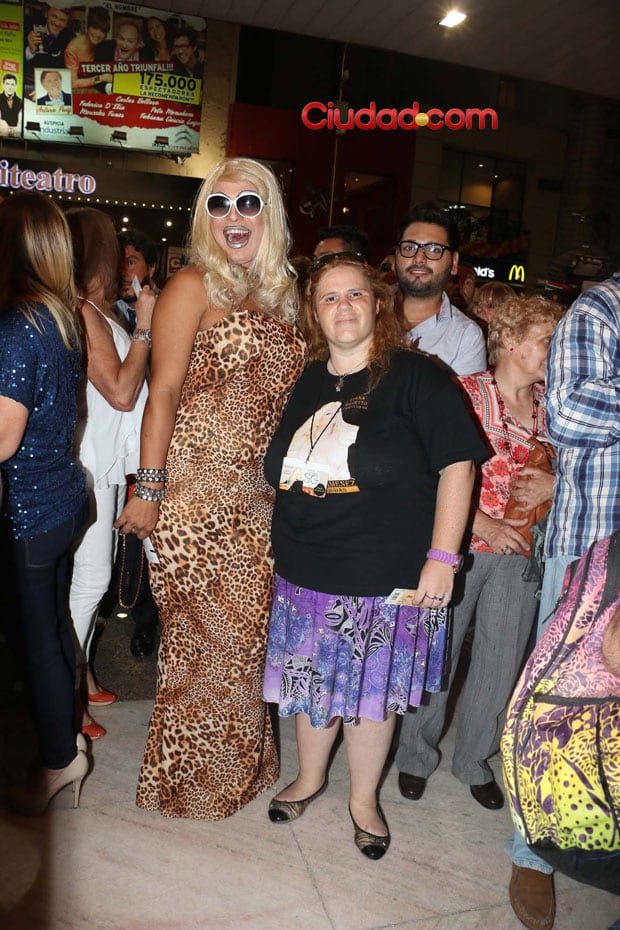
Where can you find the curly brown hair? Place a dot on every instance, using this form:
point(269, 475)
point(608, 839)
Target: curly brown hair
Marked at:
point(388, 334)
point(515, 317)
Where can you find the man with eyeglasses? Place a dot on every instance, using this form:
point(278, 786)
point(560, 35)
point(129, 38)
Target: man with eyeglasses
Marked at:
point(185, 53)
point(426, 256)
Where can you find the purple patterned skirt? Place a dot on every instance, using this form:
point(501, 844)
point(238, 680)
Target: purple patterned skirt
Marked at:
point(336, 656)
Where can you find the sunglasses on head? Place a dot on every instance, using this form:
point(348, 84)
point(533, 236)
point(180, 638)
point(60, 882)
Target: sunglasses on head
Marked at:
point(328, 257)
point(247, 203)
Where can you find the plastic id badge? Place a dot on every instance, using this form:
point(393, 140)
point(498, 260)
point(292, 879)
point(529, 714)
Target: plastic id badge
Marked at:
point(403, 597)
point(304, 477)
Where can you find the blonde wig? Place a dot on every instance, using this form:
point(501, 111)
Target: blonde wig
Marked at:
point(96, 252)
point(514, 318)
point(271, 279)
point(387, 337)
point(37, 262)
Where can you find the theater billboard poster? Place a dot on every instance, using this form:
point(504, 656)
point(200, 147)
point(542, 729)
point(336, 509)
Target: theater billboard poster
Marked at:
point(11, 73)
point(113, 74)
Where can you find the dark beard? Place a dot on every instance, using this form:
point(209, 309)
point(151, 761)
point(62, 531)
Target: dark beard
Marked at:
point(414, 287)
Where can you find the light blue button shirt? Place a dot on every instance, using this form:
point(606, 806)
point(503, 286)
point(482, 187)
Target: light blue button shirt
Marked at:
point(453, 338)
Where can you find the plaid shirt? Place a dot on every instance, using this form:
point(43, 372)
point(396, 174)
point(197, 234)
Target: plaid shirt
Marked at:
point(583, 421)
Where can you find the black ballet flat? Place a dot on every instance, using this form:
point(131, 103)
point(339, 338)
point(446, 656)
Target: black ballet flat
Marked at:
point(374, 847)
point(285, 811)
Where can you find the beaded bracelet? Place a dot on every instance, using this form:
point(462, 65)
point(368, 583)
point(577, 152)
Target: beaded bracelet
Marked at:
point(149, 494)
point(152, 474)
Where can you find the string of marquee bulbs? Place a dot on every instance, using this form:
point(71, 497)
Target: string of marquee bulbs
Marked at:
point(84, 198)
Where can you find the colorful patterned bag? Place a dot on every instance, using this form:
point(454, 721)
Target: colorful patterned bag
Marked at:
point(561, 744)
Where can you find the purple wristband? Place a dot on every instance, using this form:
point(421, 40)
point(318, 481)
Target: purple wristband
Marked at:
point(448, 558)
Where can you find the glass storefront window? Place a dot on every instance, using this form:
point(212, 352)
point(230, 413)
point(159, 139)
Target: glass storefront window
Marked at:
point(486, 194)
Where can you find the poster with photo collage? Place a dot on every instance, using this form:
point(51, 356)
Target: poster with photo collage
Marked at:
point(108, 74)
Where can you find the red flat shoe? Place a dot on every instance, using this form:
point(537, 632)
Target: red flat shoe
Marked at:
point(102, 698)
point(93, 731)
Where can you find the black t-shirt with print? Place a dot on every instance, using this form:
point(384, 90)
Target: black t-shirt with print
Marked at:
point(374, 538)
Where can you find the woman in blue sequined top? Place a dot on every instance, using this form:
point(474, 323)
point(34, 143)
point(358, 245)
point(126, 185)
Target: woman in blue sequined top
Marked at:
point(44, 499)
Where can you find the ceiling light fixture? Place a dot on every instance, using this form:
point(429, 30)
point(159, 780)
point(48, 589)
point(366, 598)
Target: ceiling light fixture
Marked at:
point(453, 18)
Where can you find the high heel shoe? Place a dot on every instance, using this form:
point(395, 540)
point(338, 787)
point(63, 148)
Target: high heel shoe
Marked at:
point(93, 730)
point(33, 801)
point(374, 847)
point(102, 698)
point(285, 811)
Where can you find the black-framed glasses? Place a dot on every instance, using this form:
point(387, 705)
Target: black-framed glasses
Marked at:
point(408, 248)
point(328, 257)
point(247, 203)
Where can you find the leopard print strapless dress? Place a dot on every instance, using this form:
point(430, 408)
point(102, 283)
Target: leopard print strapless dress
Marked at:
point(210, 747)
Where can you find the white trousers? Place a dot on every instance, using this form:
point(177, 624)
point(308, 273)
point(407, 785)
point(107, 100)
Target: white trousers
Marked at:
point(92, 564)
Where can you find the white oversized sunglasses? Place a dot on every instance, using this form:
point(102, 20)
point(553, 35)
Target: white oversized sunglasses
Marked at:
point(247, 203)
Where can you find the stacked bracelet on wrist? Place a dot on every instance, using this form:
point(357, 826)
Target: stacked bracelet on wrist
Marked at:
point(152, 474)
point(142, 335)
point(149, 494)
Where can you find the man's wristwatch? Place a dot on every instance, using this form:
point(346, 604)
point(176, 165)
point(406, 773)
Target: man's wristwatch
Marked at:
point(448, 558)
point(142, 335)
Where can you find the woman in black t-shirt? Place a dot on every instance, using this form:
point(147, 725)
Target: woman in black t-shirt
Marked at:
point(373, 465)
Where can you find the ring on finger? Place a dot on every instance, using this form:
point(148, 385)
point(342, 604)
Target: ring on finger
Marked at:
point(505, 550)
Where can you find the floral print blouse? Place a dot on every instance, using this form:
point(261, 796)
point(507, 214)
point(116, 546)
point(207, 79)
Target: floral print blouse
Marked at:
point(510, 443)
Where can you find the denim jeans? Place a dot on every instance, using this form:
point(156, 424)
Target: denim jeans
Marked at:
point(34, 590)
point(523, 856)
point(555, 569)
